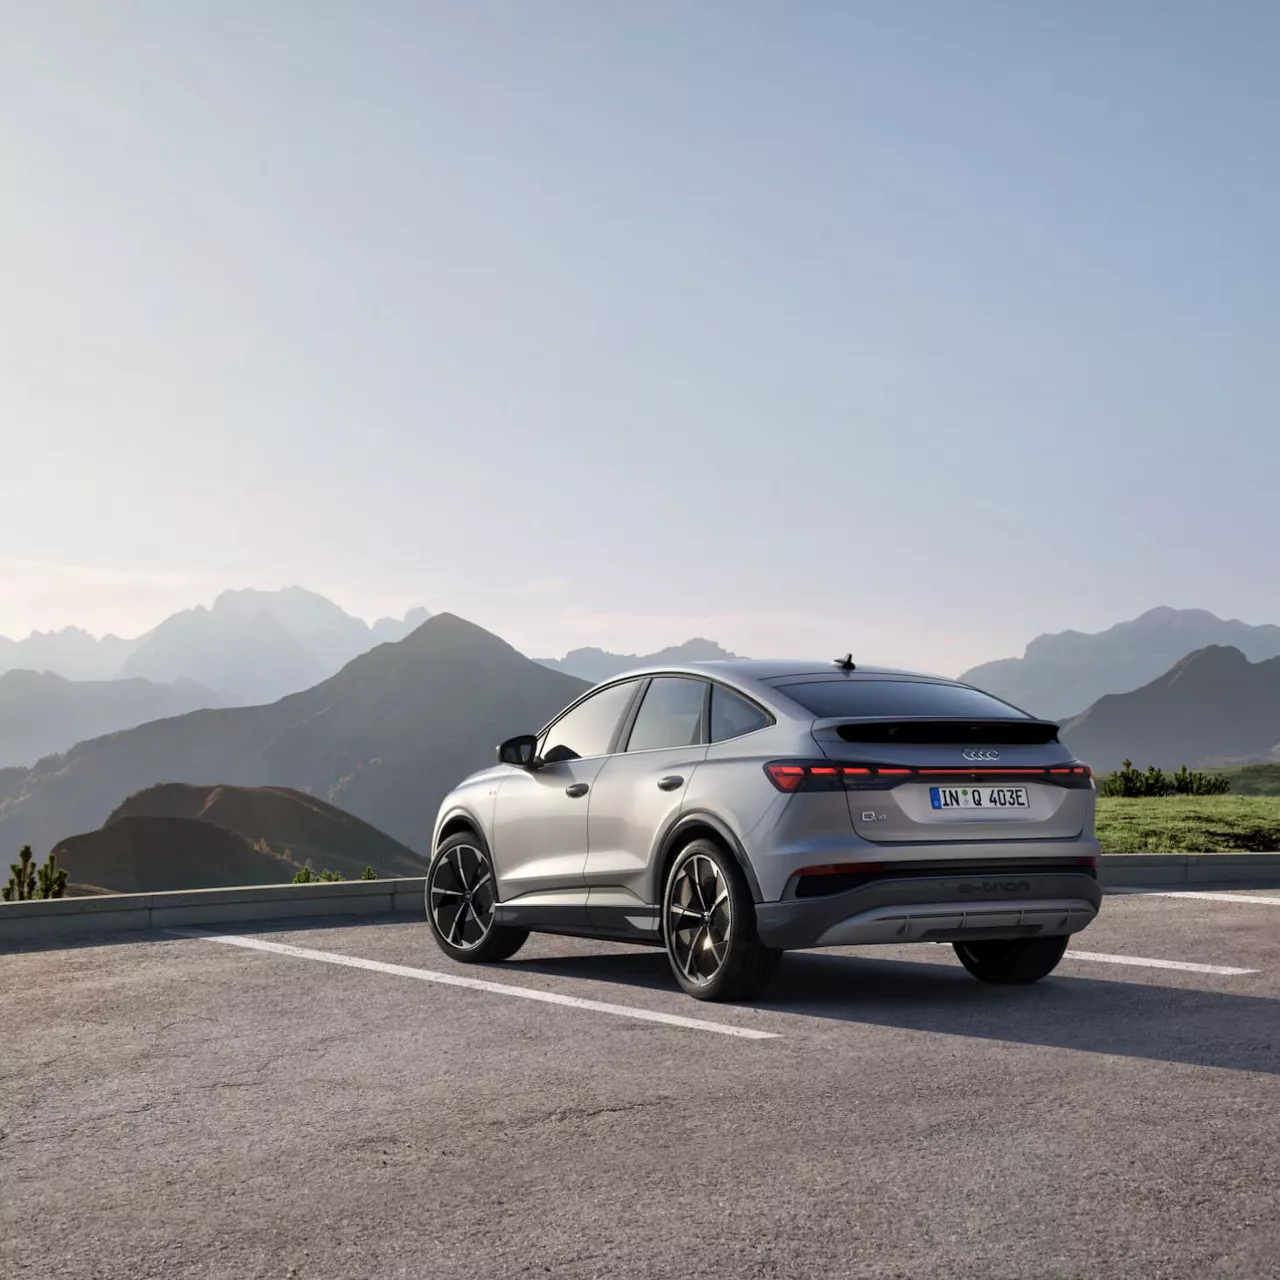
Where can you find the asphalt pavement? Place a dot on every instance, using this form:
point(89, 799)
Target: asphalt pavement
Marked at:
point(346, 1103)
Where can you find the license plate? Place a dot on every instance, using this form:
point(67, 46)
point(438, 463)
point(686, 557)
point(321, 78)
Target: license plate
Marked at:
point(996, 799)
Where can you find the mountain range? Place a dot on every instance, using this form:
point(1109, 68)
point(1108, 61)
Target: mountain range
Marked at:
point(41, 713)
point(58, 688)
point(387, 735)
point(384, 738)
point(1061, 675)
point(1212, 707)
point(594, 665)
point(250, 646)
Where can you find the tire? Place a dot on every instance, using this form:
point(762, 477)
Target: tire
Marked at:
point(709, 927)
point(461, 894)
point(1011, 962)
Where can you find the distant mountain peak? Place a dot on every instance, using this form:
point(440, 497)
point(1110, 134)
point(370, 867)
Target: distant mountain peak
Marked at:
point(593, 664)
point(1060, 674)
point(1212, 658)
point(1212, 705)
point(391, 630)
point(446, 635)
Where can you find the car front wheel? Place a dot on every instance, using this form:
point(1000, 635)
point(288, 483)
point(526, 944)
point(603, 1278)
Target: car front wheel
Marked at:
point(709, 927)
point(1010, 962)
point(461, 897)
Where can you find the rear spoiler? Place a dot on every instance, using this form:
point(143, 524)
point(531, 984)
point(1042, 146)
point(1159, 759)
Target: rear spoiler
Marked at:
point(933, 731)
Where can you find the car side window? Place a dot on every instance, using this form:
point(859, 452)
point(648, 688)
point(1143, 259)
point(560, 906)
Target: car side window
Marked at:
point(732, 716)
point(588, 729)
point(670, 715)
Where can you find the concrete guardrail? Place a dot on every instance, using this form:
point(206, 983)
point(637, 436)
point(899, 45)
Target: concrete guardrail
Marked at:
point(125, 912)
point(122, 912)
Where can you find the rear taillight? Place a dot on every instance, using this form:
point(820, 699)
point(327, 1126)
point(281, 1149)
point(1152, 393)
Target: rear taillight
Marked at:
point(795, 775)
point(788, 775)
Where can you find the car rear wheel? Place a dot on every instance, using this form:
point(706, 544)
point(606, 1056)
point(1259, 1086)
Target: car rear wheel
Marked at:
point(1011, 961)
point(709, 927)
point(461, 896)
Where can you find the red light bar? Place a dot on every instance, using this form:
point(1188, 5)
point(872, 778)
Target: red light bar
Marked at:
point(803, 776)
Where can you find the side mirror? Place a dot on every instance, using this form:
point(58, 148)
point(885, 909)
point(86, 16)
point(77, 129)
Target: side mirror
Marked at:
point(521, 751)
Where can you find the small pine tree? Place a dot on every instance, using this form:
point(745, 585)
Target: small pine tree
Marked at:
point(53, 880)
point(308, 875)
point(1154, 783)
point(22, 883)
point(368, 874)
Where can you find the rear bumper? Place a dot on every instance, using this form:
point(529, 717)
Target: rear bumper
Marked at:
point(948, 908)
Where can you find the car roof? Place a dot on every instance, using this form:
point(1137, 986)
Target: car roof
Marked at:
point(772, 672)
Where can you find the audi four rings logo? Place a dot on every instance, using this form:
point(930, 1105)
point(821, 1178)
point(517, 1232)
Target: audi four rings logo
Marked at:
point(974, 753)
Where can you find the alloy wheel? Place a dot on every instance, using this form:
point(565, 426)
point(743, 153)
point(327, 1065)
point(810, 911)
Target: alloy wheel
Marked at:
point(699, 919)
point(462, 897)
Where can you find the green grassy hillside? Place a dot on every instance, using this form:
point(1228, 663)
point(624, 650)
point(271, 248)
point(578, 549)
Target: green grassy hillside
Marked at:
point(1252, 779)
point(1190, 824)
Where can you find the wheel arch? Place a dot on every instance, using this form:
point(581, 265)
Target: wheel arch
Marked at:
point(692, 826)
point(457, 821)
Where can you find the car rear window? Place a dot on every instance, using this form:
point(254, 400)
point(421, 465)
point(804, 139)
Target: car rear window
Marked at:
point(832, 698)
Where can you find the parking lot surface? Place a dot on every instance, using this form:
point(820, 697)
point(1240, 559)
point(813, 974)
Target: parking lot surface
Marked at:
point(337, 1106)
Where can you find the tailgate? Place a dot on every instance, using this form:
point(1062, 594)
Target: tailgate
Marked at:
point(936, 781)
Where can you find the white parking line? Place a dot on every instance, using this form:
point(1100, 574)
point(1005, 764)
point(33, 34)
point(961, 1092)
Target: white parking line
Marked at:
point(474, 984)
point(1143, 963)
point(1204, 896)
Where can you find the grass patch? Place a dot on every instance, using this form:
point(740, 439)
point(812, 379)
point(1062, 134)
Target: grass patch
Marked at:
point(1252, 779)
point(1190, 824)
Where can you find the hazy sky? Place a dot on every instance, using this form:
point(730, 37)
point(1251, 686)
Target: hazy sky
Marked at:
point(911, 328)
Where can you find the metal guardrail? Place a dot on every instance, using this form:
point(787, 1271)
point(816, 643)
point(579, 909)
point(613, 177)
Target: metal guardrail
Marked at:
point(57, 918)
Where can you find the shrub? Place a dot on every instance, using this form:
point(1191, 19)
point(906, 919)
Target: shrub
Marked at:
point(368, 874)
point(22, 883)
point(307, 875)
point(30, 880)
point(1133, 784)
point(1198, 784)
point(53, 880)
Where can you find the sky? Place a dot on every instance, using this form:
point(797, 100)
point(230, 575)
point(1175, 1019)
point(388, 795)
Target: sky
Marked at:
point(913, 329)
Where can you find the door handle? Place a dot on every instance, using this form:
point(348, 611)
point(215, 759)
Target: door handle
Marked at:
point(670, 783)
point(578, 789)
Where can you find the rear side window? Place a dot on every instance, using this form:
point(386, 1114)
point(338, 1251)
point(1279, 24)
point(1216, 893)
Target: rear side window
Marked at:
point(669, 716)
point(732, 716)
point(830, 698)
point(588, 729)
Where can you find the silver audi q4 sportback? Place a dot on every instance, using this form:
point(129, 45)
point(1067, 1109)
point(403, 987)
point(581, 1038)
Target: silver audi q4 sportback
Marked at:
point(730, 811)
